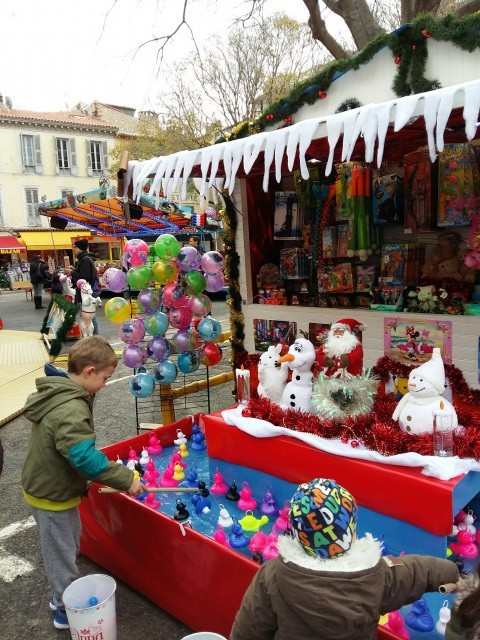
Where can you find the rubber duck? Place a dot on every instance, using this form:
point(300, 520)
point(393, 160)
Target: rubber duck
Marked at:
point(167, 479)
point(237, 539)
point(443, 618)
point(181, 512)
point(181, 438)
point(131, 462)
point(250, 523)
point(218, 485)
point(419, 617)
point(220, 536)
point(232, 493)
point(460, 517)
point(144, 458)
point(465, 544)
point(177, 457)
point(152, 469)
point(178, 472)
point(282, 523)
point(151, 501)
point(396, 624)
point(132, 454)
point(268, 506)
point(201, 503)
point(192, 478)
point(467, 523)
point(149, 477)
point(247, 502)
point(300, 358)
point(154, 445)
point(183, 451)
point(258, 542)
point(257, 557)
point(225, 520)
point(198, 442)
point(270, 550)
point(119, 460)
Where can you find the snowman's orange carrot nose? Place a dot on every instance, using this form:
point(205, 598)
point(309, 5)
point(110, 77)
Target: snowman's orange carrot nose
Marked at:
point(288, 357)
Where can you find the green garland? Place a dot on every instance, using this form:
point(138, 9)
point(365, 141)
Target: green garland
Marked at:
point(70, 310)
point(409, 50)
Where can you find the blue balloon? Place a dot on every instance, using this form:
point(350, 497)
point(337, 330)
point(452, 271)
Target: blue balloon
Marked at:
point(188, 362)
point(165, 372)
point(156, 323)
point(142, 385)
point(209, 328)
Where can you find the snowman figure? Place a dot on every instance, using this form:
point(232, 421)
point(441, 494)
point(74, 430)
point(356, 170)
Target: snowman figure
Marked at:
point(298, 392)
point(426, 384)
point(272, 378)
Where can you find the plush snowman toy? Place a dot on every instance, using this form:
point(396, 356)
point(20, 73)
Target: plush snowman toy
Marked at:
point(426, 385)
point(298, 392)
point(272, 378)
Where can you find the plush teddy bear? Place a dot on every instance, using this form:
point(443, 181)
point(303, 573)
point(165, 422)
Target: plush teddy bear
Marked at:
point(449, 269)
point(427, 300)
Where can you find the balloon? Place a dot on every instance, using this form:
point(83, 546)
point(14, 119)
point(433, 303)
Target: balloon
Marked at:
point(194, 282)
point(156, 324)
point(131, 331)
point(167, 246)
point(212, 262)
point(159, 348)
point(188, 258)
point(142, 385)
point(214, 282)
point(139, 277)
point(210, 354)
point(149, 300)
point(200, 304)
point(136, 252)
point(134, 356)
point(209, 328)
point(173, 295)
point(188, 362)
point(184, 340)
point(117, 310)
point(165, 372)
point(180, 318)
point(115, 279)
point(164, 272)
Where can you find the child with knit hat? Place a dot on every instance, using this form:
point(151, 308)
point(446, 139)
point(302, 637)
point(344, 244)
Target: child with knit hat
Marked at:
point(327, 583)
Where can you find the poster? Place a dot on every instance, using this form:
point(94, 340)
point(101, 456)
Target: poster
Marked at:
point(271, 332)
point(412, 340)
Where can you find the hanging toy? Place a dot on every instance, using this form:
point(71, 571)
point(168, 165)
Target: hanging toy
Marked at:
point(419, 617)
point(232, 493)
point(268, 506)
point(225, 520)
point(396, 624)
point(220, 536)
point(218, 485)
point(443, 618)
point(250, 523)
point(282, 523)
point(247, 501)
point(237, 539)
point(154, 445)
point(181, 438)
point(467, 523)
point(181, 512)
point(465, 545)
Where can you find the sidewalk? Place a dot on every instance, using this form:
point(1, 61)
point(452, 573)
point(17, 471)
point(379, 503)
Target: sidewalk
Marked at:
point(24, 591)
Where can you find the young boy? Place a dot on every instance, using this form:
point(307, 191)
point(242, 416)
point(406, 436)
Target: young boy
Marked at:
point(61, 458)
point(328, 584)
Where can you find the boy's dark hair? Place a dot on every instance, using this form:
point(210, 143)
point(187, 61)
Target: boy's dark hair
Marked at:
point(93, 351)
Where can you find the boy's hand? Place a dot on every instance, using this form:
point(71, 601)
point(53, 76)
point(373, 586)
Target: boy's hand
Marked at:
point(136, 488)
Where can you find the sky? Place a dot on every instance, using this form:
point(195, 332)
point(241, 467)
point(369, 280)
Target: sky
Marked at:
point(58, 53)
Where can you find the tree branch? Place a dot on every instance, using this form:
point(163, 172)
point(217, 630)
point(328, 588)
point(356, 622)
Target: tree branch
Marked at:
point(471, 6)
point(320, 32)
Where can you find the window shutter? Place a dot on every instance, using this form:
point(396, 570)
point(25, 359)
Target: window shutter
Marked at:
point(57, 166)
point(22, 152)
point(73, 157)
point(38, 154)
point(89, 158)
point(1, 210)
point(105, 158)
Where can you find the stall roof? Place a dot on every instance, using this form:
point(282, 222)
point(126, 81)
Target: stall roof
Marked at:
point(424, 115)
point(105, 215)
point(11, 244)
point(38, 240)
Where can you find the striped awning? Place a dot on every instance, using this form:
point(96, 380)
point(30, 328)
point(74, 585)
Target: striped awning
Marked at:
point(10, 244)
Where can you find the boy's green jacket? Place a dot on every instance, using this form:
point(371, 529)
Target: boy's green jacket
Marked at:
point(61, 455)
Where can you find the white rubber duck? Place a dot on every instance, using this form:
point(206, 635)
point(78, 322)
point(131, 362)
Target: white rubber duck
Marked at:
point(181, 438)
point(426, 385)
point(272, 379)
point(300, 358)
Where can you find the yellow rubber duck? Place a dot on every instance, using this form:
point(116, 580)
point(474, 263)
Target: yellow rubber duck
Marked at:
point(250, 523)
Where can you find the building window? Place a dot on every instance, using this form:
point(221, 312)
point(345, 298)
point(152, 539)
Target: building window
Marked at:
point(65, 193)
point(2, 223)
point(31, 200)
point(97, 157)
point(31, 153)
point(65, 156)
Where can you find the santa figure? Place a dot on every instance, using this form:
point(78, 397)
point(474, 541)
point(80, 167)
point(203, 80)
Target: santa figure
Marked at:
point(342, 349)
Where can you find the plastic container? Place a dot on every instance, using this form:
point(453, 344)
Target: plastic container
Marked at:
point(98, 622)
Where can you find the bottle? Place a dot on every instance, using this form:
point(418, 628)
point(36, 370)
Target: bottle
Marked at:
point(442, 434)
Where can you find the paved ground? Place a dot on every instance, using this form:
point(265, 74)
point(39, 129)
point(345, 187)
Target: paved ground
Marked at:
point(24, 612)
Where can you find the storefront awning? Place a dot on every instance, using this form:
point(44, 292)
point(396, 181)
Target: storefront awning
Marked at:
point(10, 244)
point(43, 239)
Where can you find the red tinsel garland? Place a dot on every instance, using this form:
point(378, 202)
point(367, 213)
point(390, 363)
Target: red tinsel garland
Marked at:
point(376, 430)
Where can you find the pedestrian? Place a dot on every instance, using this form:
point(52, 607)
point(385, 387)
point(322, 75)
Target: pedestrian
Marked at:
point(194, 241)
point(464, 623)
point(62, 457)
point(84, 269)
point(38, 269)
point(327, 583)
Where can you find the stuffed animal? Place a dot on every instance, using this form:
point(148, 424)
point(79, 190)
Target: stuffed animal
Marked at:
point(88, 308)
point(427, 300)
point(272, 378)
point(449, 269)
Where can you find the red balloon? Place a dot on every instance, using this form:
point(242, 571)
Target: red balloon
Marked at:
point(210, 354)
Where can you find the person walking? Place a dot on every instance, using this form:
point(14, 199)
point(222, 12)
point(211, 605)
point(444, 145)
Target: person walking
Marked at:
point(38, 269)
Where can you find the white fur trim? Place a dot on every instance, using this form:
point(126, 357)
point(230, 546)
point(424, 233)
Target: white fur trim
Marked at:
point(363, 554)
